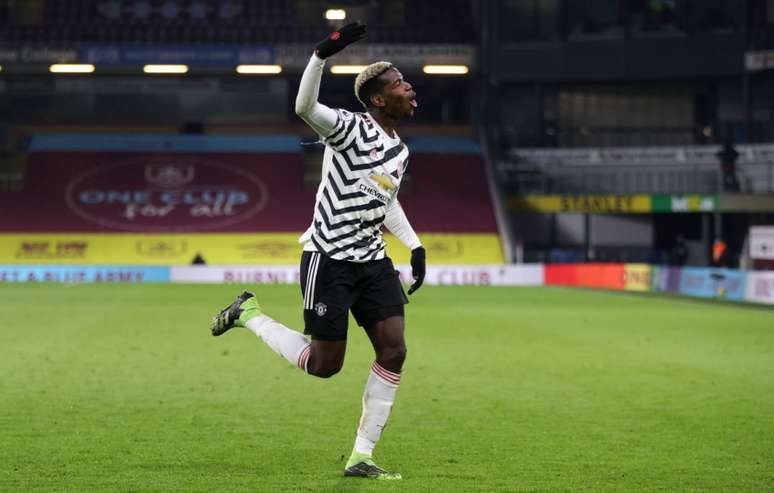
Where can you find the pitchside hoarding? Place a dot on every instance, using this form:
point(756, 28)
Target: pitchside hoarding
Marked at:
point(713, 283)
point(707, 283)
point(701, 282)
point(666, 279)
point(613, 204)
point(256, 249)
point(443, 275)
point(637, 277)
point(593, 275)
point(83, 274)
point(760, 287)
point(762, 242)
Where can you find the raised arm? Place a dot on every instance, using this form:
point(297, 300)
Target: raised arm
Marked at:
point(320, 117)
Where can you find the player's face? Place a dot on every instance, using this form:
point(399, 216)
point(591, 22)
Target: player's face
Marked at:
point(400, 100)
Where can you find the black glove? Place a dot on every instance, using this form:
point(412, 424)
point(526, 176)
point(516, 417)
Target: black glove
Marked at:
point(417, 268)
point(338, 40)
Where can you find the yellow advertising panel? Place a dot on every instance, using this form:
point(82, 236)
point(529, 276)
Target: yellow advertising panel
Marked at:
point(595, 204)
point(149, 249)
point(449, 249)
point(220, 249)
point(637, 277)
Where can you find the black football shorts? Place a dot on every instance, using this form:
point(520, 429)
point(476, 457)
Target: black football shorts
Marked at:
point(331, 288)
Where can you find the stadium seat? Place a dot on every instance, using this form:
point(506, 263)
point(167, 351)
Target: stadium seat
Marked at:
point(425, 24)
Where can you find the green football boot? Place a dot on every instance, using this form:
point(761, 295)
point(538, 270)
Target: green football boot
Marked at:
point(244, 307)
point(363, 466)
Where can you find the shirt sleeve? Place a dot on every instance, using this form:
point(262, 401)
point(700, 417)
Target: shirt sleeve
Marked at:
point(346, 130)
point(323, 120)
point(397, 223)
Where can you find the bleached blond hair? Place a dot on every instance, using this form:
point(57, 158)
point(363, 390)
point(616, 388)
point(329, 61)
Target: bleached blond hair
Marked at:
point(374, 70)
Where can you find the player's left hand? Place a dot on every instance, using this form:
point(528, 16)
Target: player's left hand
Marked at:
point(338, 40)
point(417, 268)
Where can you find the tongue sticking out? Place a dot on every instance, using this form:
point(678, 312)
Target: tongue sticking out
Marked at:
point(413, 103)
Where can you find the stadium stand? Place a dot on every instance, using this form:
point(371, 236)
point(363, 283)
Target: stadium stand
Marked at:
point(232, 21)
point(577, 116)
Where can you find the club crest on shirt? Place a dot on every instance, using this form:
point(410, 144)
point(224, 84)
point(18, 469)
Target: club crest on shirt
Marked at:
point(400, 170)
point(320, 308)
point(374, 154)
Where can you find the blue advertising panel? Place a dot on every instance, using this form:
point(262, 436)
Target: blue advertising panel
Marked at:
point(165, 143)
point(116, 54)
point(83, 274)
point(713, 283)
point(666, 279)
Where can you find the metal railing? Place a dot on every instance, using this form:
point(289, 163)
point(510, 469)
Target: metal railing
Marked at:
point(656, 170)
point(612, 181)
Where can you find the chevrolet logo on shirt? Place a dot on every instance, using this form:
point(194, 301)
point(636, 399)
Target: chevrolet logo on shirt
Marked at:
point(384, 181)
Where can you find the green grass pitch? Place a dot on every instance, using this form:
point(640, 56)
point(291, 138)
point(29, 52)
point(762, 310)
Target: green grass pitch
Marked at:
point(121, 388)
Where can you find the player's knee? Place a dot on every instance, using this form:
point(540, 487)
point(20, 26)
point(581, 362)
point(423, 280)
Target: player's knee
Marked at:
point(400, 353)
point(325, 371)
point(328, 372)
point(393, 356)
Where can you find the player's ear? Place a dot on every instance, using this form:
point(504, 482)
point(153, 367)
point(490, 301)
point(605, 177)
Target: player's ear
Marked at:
point(378, 100)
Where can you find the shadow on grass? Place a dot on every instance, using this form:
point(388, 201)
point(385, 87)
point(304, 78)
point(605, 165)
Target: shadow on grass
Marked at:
point(351, 485)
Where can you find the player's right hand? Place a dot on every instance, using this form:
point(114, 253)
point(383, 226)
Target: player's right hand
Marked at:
point(338, 40)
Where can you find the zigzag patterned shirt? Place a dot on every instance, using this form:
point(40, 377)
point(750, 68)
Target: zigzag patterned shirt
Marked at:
point(362, 170)
point(361, 174)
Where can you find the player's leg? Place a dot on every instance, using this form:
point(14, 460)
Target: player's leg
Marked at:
point(326, 358)
point(246, 312)
point(388, 340)
point(322, 358)
point(326, 285)
point(380, 311)
point(324, 355)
